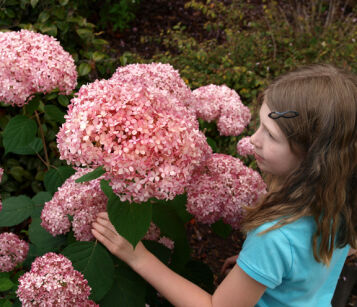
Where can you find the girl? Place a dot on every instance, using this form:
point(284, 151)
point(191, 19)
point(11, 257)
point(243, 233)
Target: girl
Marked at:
point(300, 233)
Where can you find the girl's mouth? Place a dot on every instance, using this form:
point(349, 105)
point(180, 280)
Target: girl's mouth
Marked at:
point(258, 158)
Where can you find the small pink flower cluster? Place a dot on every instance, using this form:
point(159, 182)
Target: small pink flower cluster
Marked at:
point(147, 141)
point(13, 251)
point(221, 188)
point(52, 281)
point(82, 201)
point(156, 76)
point(154, 234)
point(213, 102)
point(31, 63)
point(245, 147)
point(1, 173)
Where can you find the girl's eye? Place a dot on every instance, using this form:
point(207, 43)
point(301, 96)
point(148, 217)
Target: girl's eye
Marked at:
point(270, 135)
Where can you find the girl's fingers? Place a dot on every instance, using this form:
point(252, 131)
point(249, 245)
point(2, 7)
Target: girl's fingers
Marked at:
point(104, 240)
point(228, 263)
point(106, 223)
point(105, 229)
point(103, 215)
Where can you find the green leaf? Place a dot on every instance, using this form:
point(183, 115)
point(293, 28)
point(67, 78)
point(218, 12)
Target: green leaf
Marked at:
point(98, 56)
point(34, 252)
point(15, 210)
point(179, 204)
point(51, 96)
point(55, 113)
point(5, 284)
point(106, 188)
point(168, 221)
point(211, 142)
point(32, 106)
point(221, 229)
point(18, 133)
point(63, 2)
point(166, 218)
point(54, 178)
point(84, 69)
point(34, 3)
point(85, 34)
point(49, 29)
point(96, 264)
point(38, 200)
point(131, 220)
point(41, 197)
point(43, 239)
point(63, 100)
point(7, 303)
point(128, 289)
point(32, 148)
point(99, 171)
point(99, 42)
point(43, 17)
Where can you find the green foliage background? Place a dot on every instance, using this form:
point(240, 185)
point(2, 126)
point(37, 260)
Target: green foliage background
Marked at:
point(243, 44)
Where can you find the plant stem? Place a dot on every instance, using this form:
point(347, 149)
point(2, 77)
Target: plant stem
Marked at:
point(47, 163)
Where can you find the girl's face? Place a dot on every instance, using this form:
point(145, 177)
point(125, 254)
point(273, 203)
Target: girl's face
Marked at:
point(272, 149)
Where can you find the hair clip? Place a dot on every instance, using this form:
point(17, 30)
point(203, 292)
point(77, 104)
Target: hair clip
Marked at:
point(286, 114)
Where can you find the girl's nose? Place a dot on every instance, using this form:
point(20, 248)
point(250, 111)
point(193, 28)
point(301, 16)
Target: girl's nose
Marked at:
point(254, 139)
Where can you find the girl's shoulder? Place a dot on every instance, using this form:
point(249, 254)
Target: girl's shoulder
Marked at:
point(305, 225)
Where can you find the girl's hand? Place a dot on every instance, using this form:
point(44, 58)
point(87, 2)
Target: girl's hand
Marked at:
point(228, 264)
point(104, 231)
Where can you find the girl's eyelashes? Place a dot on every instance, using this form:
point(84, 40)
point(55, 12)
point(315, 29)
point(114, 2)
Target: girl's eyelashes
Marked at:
point(270, 135)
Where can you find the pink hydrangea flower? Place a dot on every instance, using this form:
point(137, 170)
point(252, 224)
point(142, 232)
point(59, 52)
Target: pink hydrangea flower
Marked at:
point(13, 251)
point(156, 76)
point(82, 201)
point(245, 147)
point(1, 173)
point(148, 142)
point(220, 103)
point(154, 234)
point(52, 281)
point(221, 188)
point(33, 63)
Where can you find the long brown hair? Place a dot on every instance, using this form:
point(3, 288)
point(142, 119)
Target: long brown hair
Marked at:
point(324, 185)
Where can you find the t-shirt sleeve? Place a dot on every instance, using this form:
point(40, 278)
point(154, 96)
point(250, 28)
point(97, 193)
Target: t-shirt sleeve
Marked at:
point(266, 258)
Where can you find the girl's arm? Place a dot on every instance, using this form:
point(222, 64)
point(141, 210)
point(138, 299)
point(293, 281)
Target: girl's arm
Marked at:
point(237, 289)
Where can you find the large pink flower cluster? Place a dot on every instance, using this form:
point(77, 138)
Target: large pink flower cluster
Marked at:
point(146, 140)
point(245, 147)
point(52, 281)
point(82, 201)
point(31, 63)
point(1, 173)
point(13, 251)
point(154, 234)
point(156, 76)
point(214, 102)
point(221, 188)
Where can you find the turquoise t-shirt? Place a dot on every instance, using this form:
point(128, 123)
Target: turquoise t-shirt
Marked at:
point(283, 261)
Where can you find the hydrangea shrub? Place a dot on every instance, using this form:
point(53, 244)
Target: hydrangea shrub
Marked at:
point(33, 63)
point(81, 201)
point(221, 188)
point(220, 103)
point(148, 142)
point(52, 281)
point(13, 251)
